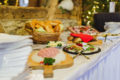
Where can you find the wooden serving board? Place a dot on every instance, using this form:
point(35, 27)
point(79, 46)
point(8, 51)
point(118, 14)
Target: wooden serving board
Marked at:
point(48, 69)
point(97, 42)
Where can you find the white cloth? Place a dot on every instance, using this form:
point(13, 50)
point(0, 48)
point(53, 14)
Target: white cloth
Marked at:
point(102, 66)
point(23, 3)
point(92, 69)
point(112, 6)
point(112, 27)
point(6, 38)
point(107, 68)
point(66, 4)
point(14, 53)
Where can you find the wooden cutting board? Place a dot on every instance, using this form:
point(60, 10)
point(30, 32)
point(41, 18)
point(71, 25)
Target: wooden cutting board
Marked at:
point(97, 42)
point(48, 69)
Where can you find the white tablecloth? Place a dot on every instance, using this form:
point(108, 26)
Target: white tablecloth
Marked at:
point(102, 66)
point(107, 67)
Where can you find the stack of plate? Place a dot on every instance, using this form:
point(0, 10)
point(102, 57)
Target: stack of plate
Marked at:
point(14, 52)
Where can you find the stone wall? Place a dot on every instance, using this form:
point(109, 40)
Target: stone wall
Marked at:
point(12, 12)
point(13, 19)
point(12, 26)
point(17, 26)
point(1, 29)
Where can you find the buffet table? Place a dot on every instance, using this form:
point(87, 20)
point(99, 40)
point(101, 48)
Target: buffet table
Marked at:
point(100, 66)
point(104, 65)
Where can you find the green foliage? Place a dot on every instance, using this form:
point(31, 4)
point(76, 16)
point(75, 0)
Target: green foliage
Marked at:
point(59, 1)
point(1, 1)
point(63, 10)
point(90, 7)
point(8, 2)
point(11, 2)
point(59, 45)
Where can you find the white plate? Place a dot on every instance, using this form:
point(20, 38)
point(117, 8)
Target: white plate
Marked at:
point(1, 60)
point(11, 72)
point(5, 78)
point(16, 54)
point(15, 64)
point(20, 50)
point(5, 38)
point(16, 58)
point(17, 44)
point(109, 38)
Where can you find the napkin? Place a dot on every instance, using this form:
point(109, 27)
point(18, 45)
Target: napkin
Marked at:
point(84, 37)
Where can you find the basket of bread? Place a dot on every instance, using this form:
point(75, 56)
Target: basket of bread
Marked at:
point(44, 31)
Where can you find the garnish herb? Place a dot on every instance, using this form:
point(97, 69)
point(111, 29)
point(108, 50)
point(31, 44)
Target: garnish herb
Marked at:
point(47, 46)
point(49, 61)
point(59, 45)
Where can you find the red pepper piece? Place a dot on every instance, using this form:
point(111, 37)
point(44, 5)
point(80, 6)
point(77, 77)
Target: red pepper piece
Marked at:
point(41, 62)
point(79, 44)
point(91, 48)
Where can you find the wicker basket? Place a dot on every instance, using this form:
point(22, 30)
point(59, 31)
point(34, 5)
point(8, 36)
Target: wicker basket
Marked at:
point(39, 37)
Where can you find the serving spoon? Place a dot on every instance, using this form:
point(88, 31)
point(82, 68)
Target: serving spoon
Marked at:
point(80, 54)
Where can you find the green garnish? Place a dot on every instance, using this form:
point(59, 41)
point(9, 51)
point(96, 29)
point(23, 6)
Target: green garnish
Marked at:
point(81, 30)
point(40, 30)
point(47, 46)
point(49, 61)
point(59, 45)
point(89, 48)
point(48, 42)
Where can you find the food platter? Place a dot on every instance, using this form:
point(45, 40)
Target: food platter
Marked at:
point(48, 69)
point(92, 52)
point(75, 51)
point(83, 29)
